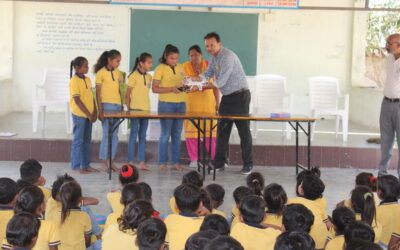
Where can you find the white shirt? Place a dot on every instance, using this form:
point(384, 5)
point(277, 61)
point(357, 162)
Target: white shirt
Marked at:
point(392, 83)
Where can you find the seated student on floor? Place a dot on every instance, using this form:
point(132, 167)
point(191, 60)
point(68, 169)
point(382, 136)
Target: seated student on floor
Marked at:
point(255, 181)
point(296, 217)
point(127, 174)
point(31, 200)
point(31, 172)
point(249, 232)
point(200, 240)
point(8, 197)
point(122, 235)
point(216, 193)
point(225, 243)
point(275, 199)
point(217, 223)
point(358, 230)
point(22, 231)
point(238, 194)
point(341, 217)
point(294, 241)
point(148, 195)
point(181, 226)
point(311, 189)
point(151, 235)
point(362, 245)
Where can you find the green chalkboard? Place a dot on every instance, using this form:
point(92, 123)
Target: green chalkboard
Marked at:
point(151, 30)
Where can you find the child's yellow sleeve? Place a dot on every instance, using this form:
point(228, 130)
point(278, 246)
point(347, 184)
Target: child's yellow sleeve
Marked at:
point(131, 81)
point(99, 78)
point(158, 74)
point(87, 224)
point(54, 237)
point(74, 88)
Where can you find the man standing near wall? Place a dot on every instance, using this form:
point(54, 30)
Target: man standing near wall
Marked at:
point(390, 110)
point(231, 80)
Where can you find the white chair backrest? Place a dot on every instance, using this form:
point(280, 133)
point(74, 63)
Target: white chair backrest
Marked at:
point(56, 84)
point(324, 92)
point(270, 91)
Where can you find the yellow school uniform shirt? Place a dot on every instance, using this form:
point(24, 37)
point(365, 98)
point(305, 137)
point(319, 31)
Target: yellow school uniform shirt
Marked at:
point(114, 199)
point(172, 205)
point(376, 226)
point(113, 239)
point(255, 237)
point(170, 77)
point(108, 80)
point(216, 211)
point(6, 213)
point(336, 243)
point(53, 209)
point(235, 215)
point(388, 215)
point(48, 236)
point(319, 231)
point(112, 219)
point(180, 228)
point(140, 85)
point(72, 231)
point(273, 219)
point(46, 193)
point(81, 87)
point(322, 205)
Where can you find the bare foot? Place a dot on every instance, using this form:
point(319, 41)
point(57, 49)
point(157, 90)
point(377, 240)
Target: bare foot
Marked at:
point(163, 167)
point(104, 166)
point(132, 163)
point(80, 171)
point(178, 167)
point(143, 166)
point(114, 168)
point(92, 170)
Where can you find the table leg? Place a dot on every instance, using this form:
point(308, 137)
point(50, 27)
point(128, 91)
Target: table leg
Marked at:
point(297, 148)
point(110, 131)
point(309, 145)
point(198, 145)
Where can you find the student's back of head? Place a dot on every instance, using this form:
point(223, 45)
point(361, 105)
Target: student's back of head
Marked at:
point(30, 170)
point(341, 217)
point(217, 223)
point(255, 181)
point(8, 191)
point(313, 187)
point(135, 213)
point(275, 198)
point(187, 198)
point(367, 179)
point(388, 188)
point(61, 179)
point(359, 230)
point(216, 193)
point(147, 191)
point(200, 240)
point(362, 202)
point(224, 243)
point(128, 174)
point(294, 241)
point(70, 195)
point(252, 209)
point(299, 178)
point(206, 209)
point(362, 245)
point(296, 217)
point(30, 200)
point(240, 192)
point(194, 178)
point(131, 192)
point(22, 230)
point(151, 234)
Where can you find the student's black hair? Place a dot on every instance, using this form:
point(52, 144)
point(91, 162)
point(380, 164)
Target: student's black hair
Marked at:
point(389, 188)
point(135, 213)
point(216, 222)
point(22, 229)
point(294, 241)
point(224, 243)
point(362, 201)
point(252, 209)
point(313, 187)
point(147, 191)
point(76, 63)
point(140, 59)
point(362, 245)
point(240, 192)
point(187, 198)
point(341, 217)
point(199, 240)
point(299, 178)
point(151, 234)
point(130, 193)
point(206, 200)
point(29, 200)
point(128, 174)
point(103, 59)
point(275, 198)
point(296, 217)
point(8, 190)
point(21, 184)
point(195, 48)
point(69, 195)
point(194, 178)
point(367, 179)
point(61, 179)
point(359, 230)
point(30, 170)
point(216, 192)
point(169, 49)
point(255, 181)
point(212, 35)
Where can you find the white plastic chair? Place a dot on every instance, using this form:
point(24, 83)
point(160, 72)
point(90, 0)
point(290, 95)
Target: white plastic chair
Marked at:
point(55, 88)
point(271, 97)
point(324, 96)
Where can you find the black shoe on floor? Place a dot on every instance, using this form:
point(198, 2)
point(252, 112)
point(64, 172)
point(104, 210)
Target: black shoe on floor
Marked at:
point(212, 168)
point(246, 170)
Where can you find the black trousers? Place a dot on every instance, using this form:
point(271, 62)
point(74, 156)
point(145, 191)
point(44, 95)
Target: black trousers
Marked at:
point(230, 105)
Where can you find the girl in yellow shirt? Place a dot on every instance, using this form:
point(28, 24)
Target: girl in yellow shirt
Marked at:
point(275, 198)
point(137, 98)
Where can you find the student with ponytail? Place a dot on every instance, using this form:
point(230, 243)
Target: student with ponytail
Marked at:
point(255, 181)
point(168, 77)
point(137, 98)
point(275, 198)
point(109, 98)
point(341, 217)
point(83, 111)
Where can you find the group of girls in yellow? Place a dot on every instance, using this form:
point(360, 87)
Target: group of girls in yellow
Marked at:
point(168, 78)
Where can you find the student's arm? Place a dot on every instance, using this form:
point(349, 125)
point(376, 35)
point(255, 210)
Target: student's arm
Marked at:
point(156, 88)
point(82, 107)
point(98, 98)
point(90, 201)
point(94, 111)
point(87, 240)
point(53, 247)
point(394, 243)
point(216, 96)
point(128, 96)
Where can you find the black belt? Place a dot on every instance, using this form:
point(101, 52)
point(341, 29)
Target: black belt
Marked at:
point(238, 91)
point(392, 99)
